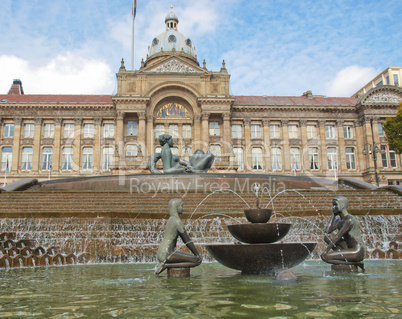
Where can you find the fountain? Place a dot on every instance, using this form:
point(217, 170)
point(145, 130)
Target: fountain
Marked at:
point(261, 253)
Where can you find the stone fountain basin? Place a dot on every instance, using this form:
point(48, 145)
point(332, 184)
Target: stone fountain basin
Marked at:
point(261, 259)
point(259, 233)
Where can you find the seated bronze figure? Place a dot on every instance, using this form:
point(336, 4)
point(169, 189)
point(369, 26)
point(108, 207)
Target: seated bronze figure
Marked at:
point(200, 162)
point(346, 246)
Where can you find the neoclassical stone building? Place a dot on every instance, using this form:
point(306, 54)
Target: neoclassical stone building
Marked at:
point(57, 136)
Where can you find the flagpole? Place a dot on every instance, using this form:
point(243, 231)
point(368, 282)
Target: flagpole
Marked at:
point(5, 178)
point(132, 40)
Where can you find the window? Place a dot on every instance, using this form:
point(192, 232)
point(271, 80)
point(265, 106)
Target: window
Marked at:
point(379, 83)
point(158, 149)
point(48, 131)
point(348, 131)
point(274, 131)
point(293, 131)
point(174, 130)
point(238, 152)
point(396, 79)
point(380, 130)
point(26, 162)
point(276, 158)
point(87, 158)
point(350, 158)
point(68, 131)
point(392, 158)
point(295, 158)
point(329, 132)
point(88, 131)
point(159, 129)
point(6, 157)
point(236, 131)
point(132, 128)
point(311, 131)
point(175, 151)
point(67, 159)
point(29, 130)
point(107, 158)
point(8, 130)
point(214, 128)
point(255, 131)
point(387, 78)
point(131, 150)
point(313, 157)
point(384, 157)
point(108, 130)
point(187, 150)
point(332, 158)
point(47, 156)
point(215, 149)
point(186, 131)
point(256, 156)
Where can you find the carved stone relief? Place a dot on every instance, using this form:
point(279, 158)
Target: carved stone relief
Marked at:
point(47, 141)
point(384, 97)
point(174, 66)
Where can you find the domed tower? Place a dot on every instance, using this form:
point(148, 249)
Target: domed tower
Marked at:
point(171, 41)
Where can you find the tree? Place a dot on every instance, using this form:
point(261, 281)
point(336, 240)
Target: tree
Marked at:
point(393, 129)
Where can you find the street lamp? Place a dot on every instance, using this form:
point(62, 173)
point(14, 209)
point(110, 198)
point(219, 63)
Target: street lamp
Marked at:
point(373, 149)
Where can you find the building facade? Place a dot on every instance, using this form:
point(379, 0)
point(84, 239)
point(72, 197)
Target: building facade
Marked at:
point(390, 76)
point(58, 136)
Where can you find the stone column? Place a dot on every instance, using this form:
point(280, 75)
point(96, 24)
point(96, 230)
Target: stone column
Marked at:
point(150, 135)
point(36, 146)
point(341, 151)
point(248, 163)
point(56, 145)
point(227, 138)
point(77, 144)
point(361, 164)
point(119, 134)
point(141, 128)
point(286, 147)
point(197, 133)
point(267, 143)
point(368, 141)
point(16, 144)
point(323, 147)
point(304, 146)
point(205, 130)
point(376, 139)
point(97, 144)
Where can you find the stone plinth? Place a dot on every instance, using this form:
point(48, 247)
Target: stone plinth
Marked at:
point(178, 272)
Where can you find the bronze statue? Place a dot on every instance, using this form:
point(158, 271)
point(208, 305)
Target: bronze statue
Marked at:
point(168, 256)
point(347, 245)
point(200, 162)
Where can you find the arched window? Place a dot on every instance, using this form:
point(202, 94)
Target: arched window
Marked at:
point(26, 161)
point(47, 156)
point(107, 158)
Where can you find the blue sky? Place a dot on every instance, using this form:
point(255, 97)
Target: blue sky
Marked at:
point(281, 47)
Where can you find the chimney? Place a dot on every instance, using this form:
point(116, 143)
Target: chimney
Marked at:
point(308, 94)
point(16, 88)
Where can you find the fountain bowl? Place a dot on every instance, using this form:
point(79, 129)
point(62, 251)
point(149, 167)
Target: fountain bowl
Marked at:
point(261, 259)
point(258, 215)
point(259, 233)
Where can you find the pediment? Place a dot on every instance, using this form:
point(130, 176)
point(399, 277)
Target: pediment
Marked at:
point(174, 66)
point(383, 95)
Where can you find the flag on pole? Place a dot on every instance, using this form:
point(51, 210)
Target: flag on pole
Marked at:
point(134, 10)
point(7, 166)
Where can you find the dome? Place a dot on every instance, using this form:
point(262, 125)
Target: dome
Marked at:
point(171, 39)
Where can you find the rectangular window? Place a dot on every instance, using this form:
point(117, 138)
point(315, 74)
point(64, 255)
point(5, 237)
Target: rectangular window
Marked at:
point(255, 131)
point(88, 130)
point(387, 78)
point(68, 130)
point(6, 157)
point(67, 159)
point(379, 83)
point(159, 130)
point(396, 79)
point(380, 130)
point(48, 131)
point(313, 157)
point(47, 156)
point(329, 132)
point(384, 156)
point(348, 131)
point(256, 155)
point(293, 131)
point(186, 130)
point(238, 151)
point(29, 130)
point(132, 128)
point(236, 131)
point(87, 158)
point(295, 158)
point(214, 128)
point(108, 130)
point(274, 131)
point(131, 150)
point(350, 158)
point(107, 158)
point(8, 130)
point(174, 130)
point(332, 158)
point(26, 161)
point(311, 131)
point(392, 159)
point(276, 158)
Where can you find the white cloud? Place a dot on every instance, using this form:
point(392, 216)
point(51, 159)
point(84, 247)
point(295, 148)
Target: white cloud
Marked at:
point(350, 79)
point(65, 74)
